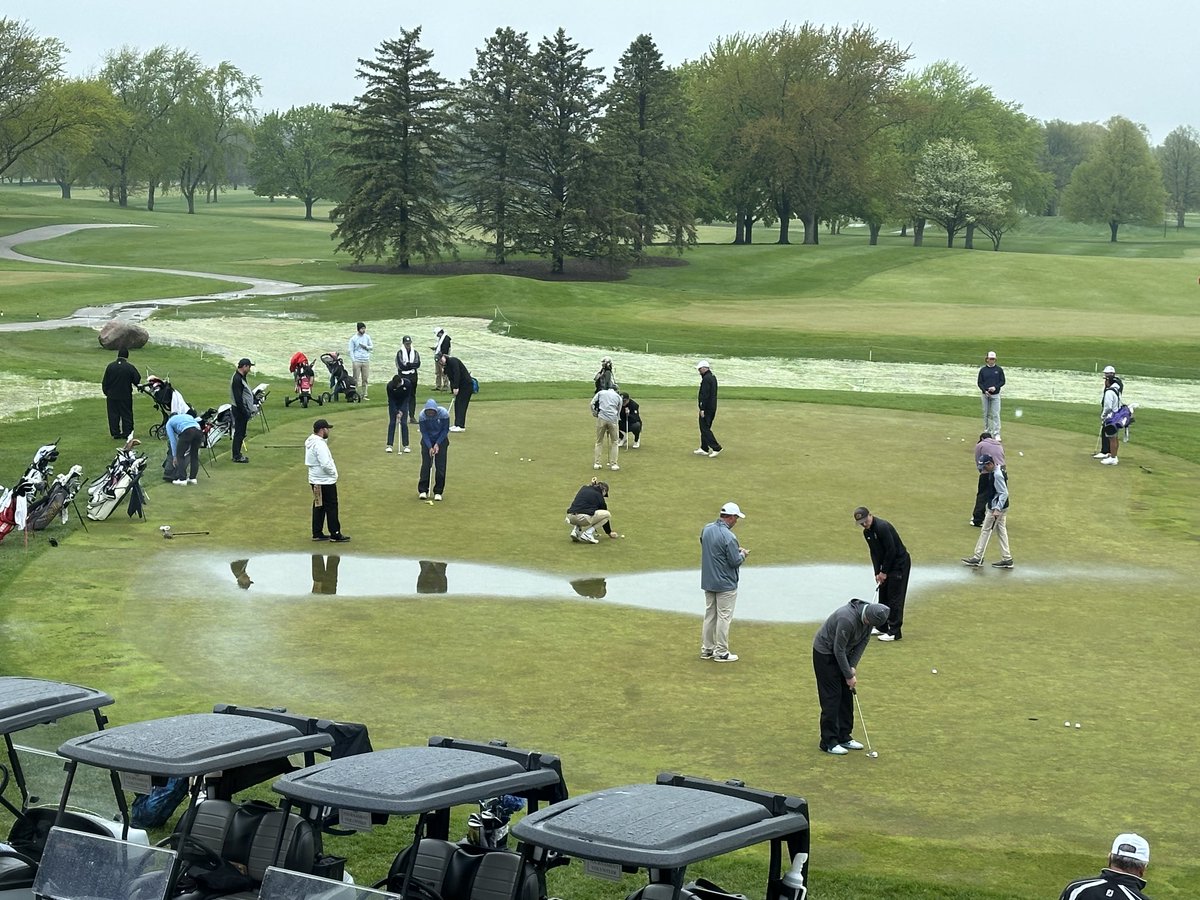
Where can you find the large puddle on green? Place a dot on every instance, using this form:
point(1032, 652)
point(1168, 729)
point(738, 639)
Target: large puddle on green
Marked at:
point(802, 593)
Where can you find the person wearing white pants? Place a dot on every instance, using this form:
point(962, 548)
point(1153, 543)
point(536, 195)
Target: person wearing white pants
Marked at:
point(990, 382)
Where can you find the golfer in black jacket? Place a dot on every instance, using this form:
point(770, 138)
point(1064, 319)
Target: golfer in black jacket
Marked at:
point(892, 564)
point(1122, 879)
point(120, 378)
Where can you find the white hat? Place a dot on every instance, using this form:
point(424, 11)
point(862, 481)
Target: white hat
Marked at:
point(1132, 846)
point(1109, 370)
point(703, 364)
point(437, 331)
point(991, 354)
point(732, 509)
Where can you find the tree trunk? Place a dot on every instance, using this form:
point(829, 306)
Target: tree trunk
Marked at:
point(903, 229)
point(150, 197)
point(1178, 218)
point(123, 194)
point(739, 227)
point(811, 227)
point(749, 230)
point(190, 194)
point(1113, 226)
point(918, 232)
point(874, 229)
point(950, 232)
point(969, 237)
point(784, 208)
point(308, 205)
point(65, 187)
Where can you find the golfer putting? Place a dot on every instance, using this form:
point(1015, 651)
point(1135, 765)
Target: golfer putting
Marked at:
point(837, 648)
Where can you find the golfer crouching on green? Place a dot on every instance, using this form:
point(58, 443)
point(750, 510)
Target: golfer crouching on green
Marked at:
point(837, 648)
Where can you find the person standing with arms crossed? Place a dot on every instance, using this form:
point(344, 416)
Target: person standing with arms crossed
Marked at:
point(707, 401)
point(120, 378)
point(721, 559)
point(408, 364)
point(892, 565)
point(322, 481)
point(990, 381)
point(360, 358)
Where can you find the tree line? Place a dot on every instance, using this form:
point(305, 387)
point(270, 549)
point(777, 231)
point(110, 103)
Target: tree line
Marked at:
point(536, 152)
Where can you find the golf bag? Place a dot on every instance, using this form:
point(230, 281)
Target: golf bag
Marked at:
point(488, 828)
point(1118, 419)
point(16, 503)
point(121, 479)
point(215, 423)
point(167, 401)
point(340, 380)
point(57, 500)
point(302, 371)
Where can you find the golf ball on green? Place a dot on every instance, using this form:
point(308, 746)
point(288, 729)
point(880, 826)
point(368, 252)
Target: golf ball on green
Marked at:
point(1019, 412)
point(1067, 724)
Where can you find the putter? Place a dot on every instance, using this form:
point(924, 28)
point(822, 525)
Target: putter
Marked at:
point(871, 754)
point(171, 535)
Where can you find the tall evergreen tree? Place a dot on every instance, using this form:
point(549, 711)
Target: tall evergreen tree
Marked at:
point(492, 126)
point(396, 137)
point(563, 105)
point(646, 140)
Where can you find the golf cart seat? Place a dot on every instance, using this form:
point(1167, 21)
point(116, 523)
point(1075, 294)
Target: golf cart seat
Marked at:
point(16, 869)
point(464, 872)
point(29, 832)
point(248, 835)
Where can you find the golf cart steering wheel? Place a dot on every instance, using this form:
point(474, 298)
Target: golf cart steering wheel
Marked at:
point(197, 851)
point(416, 890)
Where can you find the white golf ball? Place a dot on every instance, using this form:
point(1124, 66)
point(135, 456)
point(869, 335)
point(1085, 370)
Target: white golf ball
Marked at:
point(1019, 412)
point(873, 754)
point(1020, 453)
point(934, 671)
point(1077, 725)
point(1067, 724)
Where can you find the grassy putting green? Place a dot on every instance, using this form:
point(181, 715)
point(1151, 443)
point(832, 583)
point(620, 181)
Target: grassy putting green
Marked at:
point(967, 789)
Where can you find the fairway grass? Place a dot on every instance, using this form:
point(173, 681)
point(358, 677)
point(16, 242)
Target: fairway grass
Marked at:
point(979, 791)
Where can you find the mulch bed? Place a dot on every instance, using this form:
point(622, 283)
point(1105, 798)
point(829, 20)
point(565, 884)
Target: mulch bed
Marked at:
point(539, 269)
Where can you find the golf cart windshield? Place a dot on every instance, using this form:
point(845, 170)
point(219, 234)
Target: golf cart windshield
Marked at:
point(79, 866)
point(35, 749)
point(280, 884)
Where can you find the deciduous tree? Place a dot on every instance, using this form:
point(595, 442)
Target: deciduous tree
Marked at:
point(294, 156)
point(1119, 182)
point(211, 117)
point(953, 187)
point(1179, 159)
point(396, 137)
point(1064, 146)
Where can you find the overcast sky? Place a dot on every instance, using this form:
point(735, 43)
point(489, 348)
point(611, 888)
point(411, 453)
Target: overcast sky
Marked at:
point(1077, 60)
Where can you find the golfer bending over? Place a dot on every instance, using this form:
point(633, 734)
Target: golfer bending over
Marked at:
point(589, 509)
point(837, 648)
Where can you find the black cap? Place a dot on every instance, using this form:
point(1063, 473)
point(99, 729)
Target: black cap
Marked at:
point(244, 361)
point(408, 339)
point(985, 459)
point(319, 424)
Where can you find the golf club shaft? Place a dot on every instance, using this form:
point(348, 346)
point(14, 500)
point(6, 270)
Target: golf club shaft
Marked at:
point(866, 735)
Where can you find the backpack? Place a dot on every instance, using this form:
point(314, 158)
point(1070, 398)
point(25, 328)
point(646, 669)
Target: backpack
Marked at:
point(474, 385)
point(152, 810)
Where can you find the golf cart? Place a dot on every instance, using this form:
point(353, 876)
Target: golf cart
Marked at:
point(666, 826)
point(35, 716)
point(220, 846)
point(426, 782)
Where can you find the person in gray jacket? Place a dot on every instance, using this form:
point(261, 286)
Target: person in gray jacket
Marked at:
point(837, 648)
point(721, 558)
point(606, 408)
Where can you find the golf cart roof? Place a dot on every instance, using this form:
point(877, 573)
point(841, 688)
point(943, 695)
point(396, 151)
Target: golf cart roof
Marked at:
point(25, 702)
point(413, 780)
point(667, 825)
point(191, 745)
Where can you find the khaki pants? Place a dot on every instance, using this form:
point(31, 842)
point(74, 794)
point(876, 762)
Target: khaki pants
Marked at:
point(360, 370)
point(583, 521)
point(718, 614)
point(991, 522)
point(611, 431)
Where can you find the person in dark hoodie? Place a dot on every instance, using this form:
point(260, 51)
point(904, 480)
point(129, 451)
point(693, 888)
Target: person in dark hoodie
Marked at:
point(706, 400)
point(837, 648)
point(459, 379)
point(892, 564)
point(434, 425)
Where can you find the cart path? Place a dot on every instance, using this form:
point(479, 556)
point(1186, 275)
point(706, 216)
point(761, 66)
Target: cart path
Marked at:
point(495, 356)
point(136, 310)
